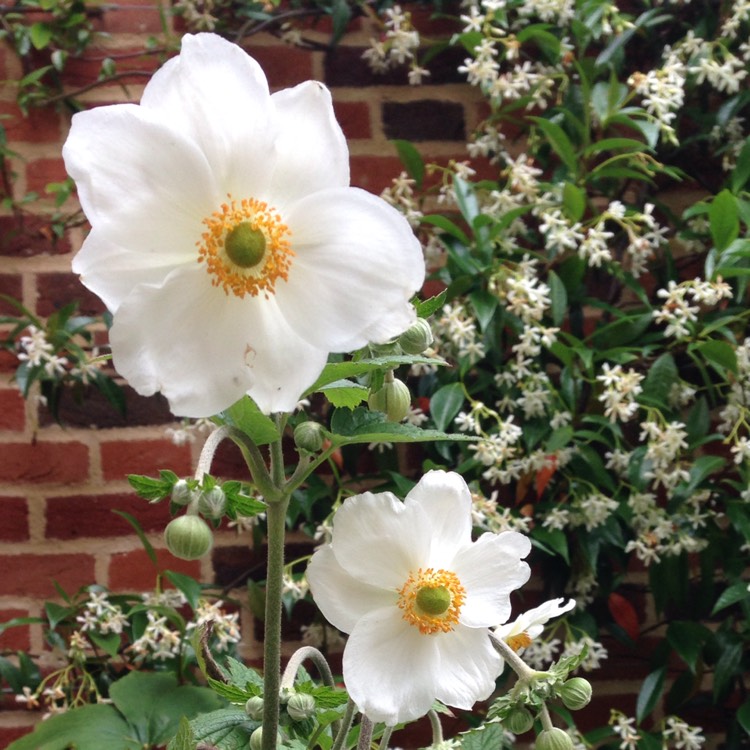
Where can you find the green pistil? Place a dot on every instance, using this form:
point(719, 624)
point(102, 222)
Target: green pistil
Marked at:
point(245, 246)
point(433, 601)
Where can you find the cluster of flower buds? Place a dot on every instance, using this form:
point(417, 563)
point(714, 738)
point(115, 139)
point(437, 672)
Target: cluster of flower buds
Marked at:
point(189, 537)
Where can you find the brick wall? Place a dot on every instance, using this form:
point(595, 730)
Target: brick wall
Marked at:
point(59, 484)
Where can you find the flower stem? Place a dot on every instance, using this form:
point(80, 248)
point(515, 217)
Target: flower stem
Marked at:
point(346, 723)
point(516, 663)
point(365, 734)
point(296, 661)
point(276, 524)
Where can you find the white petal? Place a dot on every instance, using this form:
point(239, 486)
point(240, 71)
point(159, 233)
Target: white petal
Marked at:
point(377, 539)
point(469, 666)
point(342, 599)
point(446, 501)
point(142, 183)
point(489, 570)
point(204, 349)
point(357, 265)
point(310, 151)
point(218, 96)
point(534, 620)
point(389, 668)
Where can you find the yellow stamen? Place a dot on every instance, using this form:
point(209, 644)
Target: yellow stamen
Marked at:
point(443, 616)
point(517, 642)
point(260, 228)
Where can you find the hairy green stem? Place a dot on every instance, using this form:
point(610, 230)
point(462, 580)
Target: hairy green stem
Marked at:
point(276, 525)
point(437, 728)
point(346, 723)
point(296, 661)
point(365, 734)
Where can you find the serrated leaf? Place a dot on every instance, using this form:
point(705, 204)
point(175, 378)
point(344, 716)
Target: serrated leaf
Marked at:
point(345, 393)
point(149, 488)
point(184, 739)
point(491, 736)
point(427, 307)
point(246, 417)
point(225, 729)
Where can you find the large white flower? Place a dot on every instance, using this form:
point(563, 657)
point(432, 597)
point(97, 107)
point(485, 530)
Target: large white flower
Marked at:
point(417, 597)
point(226, 239)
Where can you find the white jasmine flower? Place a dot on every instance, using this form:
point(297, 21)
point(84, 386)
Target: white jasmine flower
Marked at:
point(417, 597)
point(225, 237)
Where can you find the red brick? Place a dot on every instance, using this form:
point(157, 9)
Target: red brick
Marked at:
point(81, 71)
point(138, 16)
point(283, 65)
point(29, 235)
point(15, 515)
point(354, 118)
point(32, 575)
point(44, 462)
point(8, 361)
point(10, 284)
point(9, 734)
point(374, 173)
point(123, 457)
point(55, 290)
point(39, 126)
point(82, 516)
point(40, 172)
point(134, 571)
point(12, 414)
point(15, 638)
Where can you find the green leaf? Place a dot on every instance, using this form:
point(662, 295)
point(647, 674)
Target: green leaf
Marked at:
point(662, 375)
point(187, 585)
point(363, 426)
point(558, 298)
point(107, 642)
point(149, 488)
point(246, 417)
point(484, 305)
point(650, 693)
point(429, 306)
point(737, 592)
point(728, 666)
point(91, 727)
point(40, 34)
point(139, 531)
point(448, 226)
point(412, 160)
point(743, 716)
point(574, 202)
point(466, 199)
point(334, 371)
point(345, 393)
point(184, 739)
point(741, 173)
point(491, 736)
point(445, 404)
point(687, 639)
point(724, 222)
point(720, 353)
point(559, 141)
point(554, 540)
point(57, 613)
point(226, 729)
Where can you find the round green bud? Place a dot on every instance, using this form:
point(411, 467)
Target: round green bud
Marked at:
point(393, 399)
point(575, 693)
point(254, 708)
point(212, 503)
point(181, 492)
point(390, 348)
point(416, 338)
point(519, 720)
point(188, 537)
point(309, 437)
point(245, 246)
point(553, 739)
point(301, 706)
point(256, 739)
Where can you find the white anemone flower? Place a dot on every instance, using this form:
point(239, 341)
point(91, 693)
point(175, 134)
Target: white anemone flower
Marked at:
point(529, 625)
point(226, 239)
point(417, 597)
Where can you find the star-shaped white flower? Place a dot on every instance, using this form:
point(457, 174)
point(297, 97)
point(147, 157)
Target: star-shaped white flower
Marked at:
point(226, 239)
point(417, 597)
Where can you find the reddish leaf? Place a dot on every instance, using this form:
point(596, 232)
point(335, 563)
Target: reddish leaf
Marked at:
point(624, 614)
point(544, 475)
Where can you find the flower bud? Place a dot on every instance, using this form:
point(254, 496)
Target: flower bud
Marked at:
point(256, 739)
point(417, 337)
point(308, 437)
point(575, 693)
point(519, 720)
point(554, 739)
point(389, 349)
point(254, 708)
point(188, 537)
point(301, 706)
point(181, 492)
point(393, 399)
point(212, 503)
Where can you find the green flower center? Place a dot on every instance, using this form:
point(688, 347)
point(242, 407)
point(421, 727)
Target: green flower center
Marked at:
point(245, 246)
point(433, 600)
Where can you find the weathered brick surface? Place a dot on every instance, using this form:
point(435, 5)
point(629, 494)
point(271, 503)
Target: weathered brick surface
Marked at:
point(134, 571)
point(33, 574)
point(15, 638)
point(58, 462)
point(12, 410)
point(55, 290)
point(122, 457)
point(15, 519)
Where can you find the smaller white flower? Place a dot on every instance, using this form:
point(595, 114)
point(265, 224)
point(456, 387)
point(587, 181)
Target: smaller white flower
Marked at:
point(529, 625)
point(417, 597)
